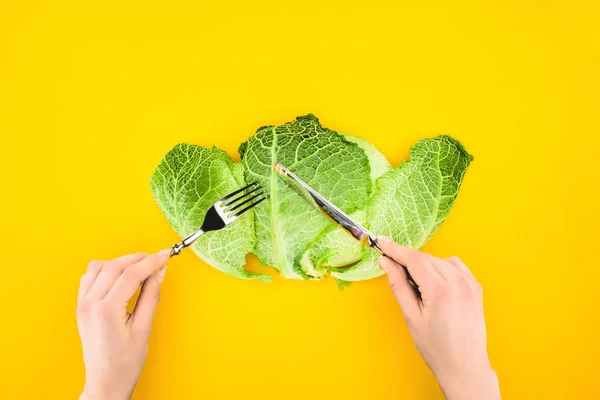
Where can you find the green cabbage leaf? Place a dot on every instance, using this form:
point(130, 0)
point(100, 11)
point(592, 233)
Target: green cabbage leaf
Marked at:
point(407, 203)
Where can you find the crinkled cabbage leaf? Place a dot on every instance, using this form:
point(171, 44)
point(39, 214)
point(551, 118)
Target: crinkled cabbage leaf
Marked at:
point(407, 203)
point(188, 181)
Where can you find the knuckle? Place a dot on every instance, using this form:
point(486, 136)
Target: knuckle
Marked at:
point(83, 310)
point(441, 291)
point(465, 288)
point(91, 311)
point(156, 295)
point(416, 255)
point(455, 260)
point(131, 275)
point(424, 259)
point(463, 285)
point(102, 312)
point(113, 267)
point(94, 266)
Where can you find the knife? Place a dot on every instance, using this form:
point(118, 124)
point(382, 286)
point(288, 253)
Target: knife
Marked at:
point(356, 230)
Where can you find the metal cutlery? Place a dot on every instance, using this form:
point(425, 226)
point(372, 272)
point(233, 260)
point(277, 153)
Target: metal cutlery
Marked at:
point(224, 212)
point(330, 210)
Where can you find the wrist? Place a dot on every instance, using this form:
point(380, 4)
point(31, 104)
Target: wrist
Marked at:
point(480, 385)
point(89, 395)
point(86, 396)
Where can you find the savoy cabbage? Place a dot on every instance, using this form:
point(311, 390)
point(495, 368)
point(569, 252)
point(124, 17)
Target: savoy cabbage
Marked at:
point(407, 203)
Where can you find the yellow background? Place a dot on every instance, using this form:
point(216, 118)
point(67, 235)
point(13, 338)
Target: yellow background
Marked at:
point(92, 94)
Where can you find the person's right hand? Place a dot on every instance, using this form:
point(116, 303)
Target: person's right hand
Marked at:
point(447, 326)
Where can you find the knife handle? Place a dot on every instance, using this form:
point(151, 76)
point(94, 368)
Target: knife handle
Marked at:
point(373, 243)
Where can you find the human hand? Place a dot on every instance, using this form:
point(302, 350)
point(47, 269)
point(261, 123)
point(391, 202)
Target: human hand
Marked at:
point(115, 343)
point(448, 325)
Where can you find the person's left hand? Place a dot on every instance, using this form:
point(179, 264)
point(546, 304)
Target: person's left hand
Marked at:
point(115, 343)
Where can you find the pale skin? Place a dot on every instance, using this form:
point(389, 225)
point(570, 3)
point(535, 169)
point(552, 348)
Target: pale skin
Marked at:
point(115, 343)
point(447, 325)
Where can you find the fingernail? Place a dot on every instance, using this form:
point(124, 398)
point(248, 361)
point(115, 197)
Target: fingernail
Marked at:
point(384, 239)
point(164, 252)
point(161, 274)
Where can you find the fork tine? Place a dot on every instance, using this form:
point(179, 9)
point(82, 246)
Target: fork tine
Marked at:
point(217, 217)
point(237, 214)
point(238, 191)
point(230, 202)
point(237, 206)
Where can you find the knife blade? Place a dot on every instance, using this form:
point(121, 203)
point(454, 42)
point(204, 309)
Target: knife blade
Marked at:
point(330, 210)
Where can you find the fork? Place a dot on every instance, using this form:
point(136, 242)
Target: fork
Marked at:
point(224, 212)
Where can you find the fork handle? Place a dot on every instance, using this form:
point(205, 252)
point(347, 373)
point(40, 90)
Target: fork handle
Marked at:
point(176, 248)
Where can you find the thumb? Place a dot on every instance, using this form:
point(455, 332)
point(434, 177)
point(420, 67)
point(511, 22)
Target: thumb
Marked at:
point(401, 288)
point(148, 300)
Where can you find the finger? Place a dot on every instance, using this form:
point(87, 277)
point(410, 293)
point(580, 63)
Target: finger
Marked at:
point(134, 276)
point(401, 288)
point(87, 280)
point(109, 274)
point(422, 271)
point(146, 305)
point(446, 271)
point(458, 264)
